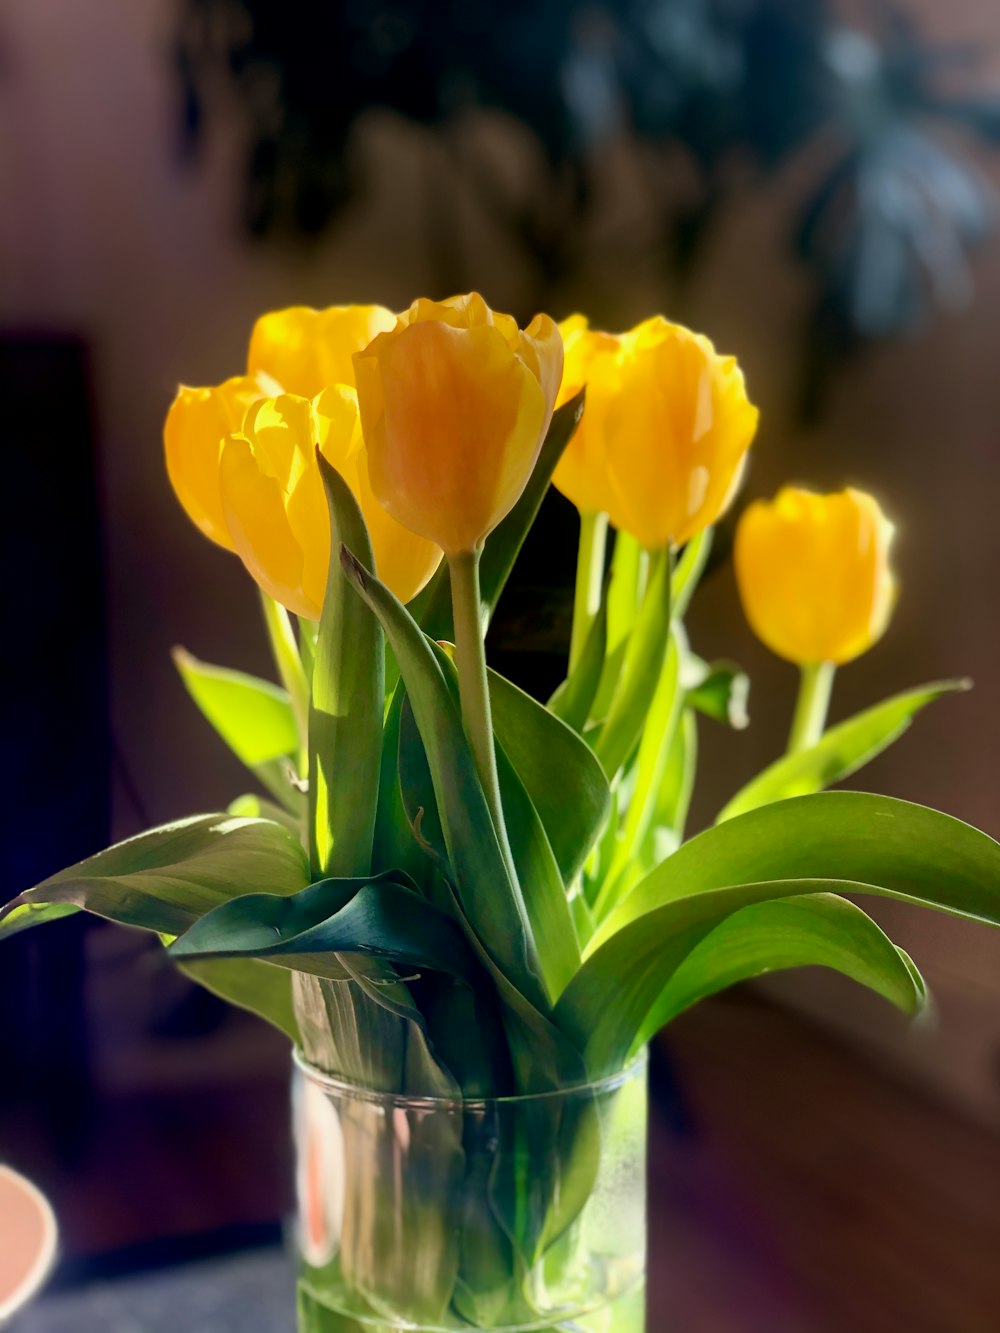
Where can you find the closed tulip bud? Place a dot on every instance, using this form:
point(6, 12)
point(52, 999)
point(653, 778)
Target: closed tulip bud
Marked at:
point(813, 574)
point(455, 402)
point(275, 506)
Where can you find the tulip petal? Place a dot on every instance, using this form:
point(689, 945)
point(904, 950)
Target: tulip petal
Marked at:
point(253, 502)
point(305, 350)
point(197, 424)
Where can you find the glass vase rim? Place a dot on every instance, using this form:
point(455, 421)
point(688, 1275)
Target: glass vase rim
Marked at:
point(419, 1101)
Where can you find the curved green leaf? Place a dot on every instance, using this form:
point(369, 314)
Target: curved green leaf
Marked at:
point(907, 851)
point(840, 752)
point(379, 917)
point(820, 930)
point(612, 1004)
point(561, 775)
point(346, 704)
point(252, 716)
point(165, 879)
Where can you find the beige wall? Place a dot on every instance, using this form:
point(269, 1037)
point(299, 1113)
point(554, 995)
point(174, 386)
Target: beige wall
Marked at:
point(102, 233)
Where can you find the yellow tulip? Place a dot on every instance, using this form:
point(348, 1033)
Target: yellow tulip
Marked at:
point(455, 402)
point(813, 574)
point(276, 510)
point(581, 473)
point(665, 430)
point(256, 490)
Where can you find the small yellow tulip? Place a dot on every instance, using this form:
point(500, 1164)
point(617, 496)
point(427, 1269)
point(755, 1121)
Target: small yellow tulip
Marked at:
point(276, 510)
point(813, 574)
point(582, 472)
point(455, 402)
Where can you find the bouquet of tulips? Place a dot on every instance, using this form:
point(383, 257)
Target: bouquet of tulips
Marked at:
point(451, 889)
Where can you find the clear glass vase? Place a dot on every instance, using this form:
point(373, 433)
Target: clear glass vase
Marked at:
point(510, 1214)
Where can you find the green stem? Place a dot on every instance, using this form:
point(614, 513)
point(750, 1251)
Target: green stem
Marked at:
point(811, 706)
point(473, 687)
point(285, 650)
point(589, 580)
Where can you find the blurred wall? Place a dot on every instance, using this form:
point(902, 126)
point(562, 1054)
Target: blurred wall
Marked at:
point(107, 234)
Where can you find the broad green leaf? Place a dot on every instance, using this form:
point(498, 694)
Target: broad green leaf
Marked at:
point(433, 612)
point(165, 879)
point(252, 716)
point(262, 989)
point(311, 929)
point(640, 673)
point(840, 752)
point(907, 851)
point(560, 773)
point(490, 897)
point(719, 690)
point(348, 698)
point(613, 1004)
point(821, 930)
point(573, 700)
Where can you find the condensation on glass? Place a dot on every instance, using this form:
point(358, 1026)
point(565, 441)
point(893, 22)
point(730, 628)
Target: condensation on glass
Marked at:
point(511, 1214)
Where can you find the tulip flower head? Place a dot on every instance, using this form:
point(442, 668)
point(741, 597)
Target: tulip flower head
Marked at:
point(455, 402)
point(813, 573)
point(241, 456)
point(665, 429)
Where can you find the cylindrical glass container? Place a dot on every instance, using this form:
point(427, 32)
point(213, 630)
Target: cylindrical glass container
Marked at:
point(510, 1214)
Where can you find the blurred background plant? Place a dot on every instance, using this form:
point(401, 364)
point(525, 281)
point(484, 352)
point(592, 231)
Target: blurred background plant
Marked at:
point(885, 217)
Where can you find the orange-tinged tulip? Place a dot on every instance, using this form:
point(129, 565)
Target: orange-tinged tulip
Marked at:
point(676, 430)
point(582, 473)
point(455, 402)
point(813, 573)
point(304, 350)
point(276, 510)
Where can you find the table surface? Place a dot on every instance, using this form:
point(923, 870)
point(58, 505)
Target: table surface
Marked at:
point(247, 1293)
